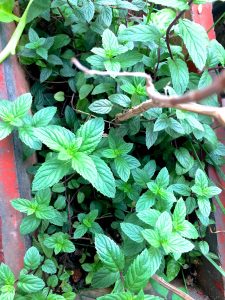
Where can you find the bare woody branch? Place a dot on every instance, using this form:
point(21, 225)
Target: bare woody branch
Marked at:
point(184, 102)
point(172, 288)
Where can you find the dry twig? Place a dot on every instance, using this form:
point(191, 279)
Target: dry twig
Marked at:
point(172, 288)
point(171, 26)
point(184, 102)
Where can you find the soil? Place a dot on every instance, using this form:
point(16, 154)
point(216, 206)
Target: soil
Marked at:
point(193, 291)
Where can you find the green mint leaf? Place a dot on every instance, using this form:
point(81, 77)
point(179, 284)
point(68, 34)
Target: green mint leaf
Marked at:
point(60, 243)
point(152, 237)
point(80, 231)
point(140, 33)
point(112, 65)
point(5, 130)
point(150, 168)
point(120, 99)
point(156, 257)
point(28, 137)
point(132, 161)
point(6, 15)
point(50, 173)
point(104, 278)
point(60, 40)
point(150, 136)
point(109, 253)
point(109, 153)
point(181, 189)
point(104, 181)
point(32, 258)
point(179, 74)
point(102, 106)
point(105, 16)
point(213, 191)
point(23, 205)
point(132, 231)
point(184, 158)
point(179, 213)
point(122, 168)
point(146, 201)
point(204, 247)
point(204, 206)
point(84, 165)
point(219, 50)
point(201, 179)
point(88, 10)
point(42, 52)
point(45, 212)
point(117, 296)
point(164, 224)
point(176, 243)
point(175, 126)
point(149, 216)
point(7, 291)
point(13, 112)
point(30, 283)
point(172, 269)
point(33, 36)
point(6, 111)
point(161, 123)
point(36, 9)
point(103, 88)
point(22, 105)
point(192, 121)
point(186, 230)
point(196, 41)
point(55, 137)
point(91, 133)
point(29, 224)
point(43, 197)
point(139, 272)
point(44, 116)
point(49, 267)
point(96, 61)
point(129, 59)
point(162, 179)
point(45, 74)
point(127, 5)
point(177, 4)
point(141, 177)
point(85, 90)
point(205, 80)
point(203, 219)
point(6, 275)
point(109, 41)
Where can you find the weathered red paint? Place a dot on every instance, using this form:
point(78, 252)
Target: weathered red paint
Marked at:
point(210, 279)
point(12, 244)
point(1, 245)
point(202, 14)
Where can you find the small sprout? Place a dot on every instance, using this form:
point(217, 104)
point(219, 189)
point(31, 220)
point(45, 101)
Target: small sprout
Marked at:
point(59, 96)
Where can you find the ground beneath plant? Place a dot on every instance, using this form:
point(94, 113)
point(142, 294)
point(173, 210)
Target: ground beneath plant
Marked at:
point(194, 291)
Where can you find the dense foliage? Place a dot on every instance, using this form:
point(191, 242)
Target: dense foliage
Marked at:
point(116, 202)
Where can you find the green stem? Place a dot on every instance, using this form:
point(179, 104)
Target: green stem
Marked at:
point(150, 10)
point(10, 48)
point(216, 197)
point(215, 265)
point(217, 21)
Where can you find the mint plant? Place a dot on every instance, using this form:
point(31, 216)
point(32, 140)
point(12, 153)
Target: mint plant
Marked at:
point(27, 283)
point(120, 194)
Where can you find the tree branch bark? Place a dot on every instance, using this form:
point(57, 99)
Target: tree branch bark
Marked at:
point(184, 102)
